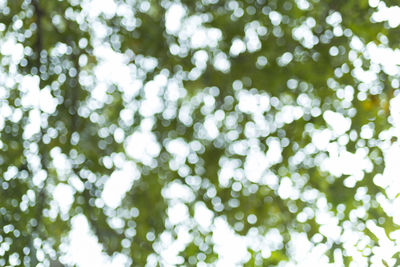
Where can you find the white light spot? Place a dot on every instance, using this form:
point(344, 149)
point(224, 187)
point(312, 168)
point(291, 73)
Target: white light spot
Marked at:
point(173, 18)
point(48, 103)
point(118, 184)
point(337, 121)
point(64, 195)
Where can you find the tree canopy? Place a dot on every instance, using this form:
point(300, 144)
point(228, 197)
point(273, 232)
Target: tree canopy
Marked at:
point(272, 116)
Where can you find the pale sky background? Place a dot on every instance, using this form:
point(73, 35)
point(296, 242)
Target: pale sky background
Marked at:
point(232, 248)
point(83, 248)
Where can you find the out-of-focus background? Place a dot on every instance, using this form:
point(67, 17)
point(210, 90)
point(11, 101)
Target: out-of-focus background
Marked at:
point(199, 133)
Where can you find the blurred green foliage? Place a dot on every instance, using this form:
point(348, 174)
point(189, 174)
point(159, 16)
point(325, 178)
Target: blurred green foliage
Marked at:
point(258, 83)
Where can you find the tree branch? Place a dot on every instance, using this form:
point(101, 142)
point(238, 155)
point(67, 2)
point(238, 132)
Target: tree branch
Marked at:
point(41, 194)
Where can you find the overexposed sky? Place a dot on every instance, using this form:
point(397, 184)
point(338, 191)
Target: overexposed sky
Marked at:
point(231, 247)
point(83, 248)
